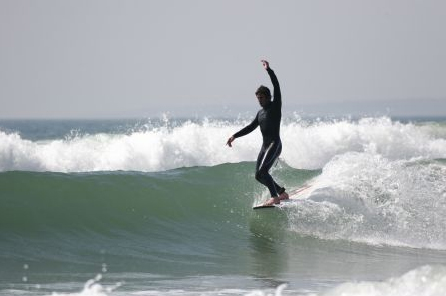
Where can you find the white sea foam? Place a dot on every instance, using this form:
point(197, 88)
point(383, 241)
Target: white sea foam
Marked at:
point(92, 288)
point(306, 146)
point(366, 197)
point(156, 149)
point(313, 145)
point(423, 281)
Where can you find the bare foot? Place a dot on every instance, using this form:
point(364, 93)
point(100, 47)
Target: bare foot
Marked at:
point(284, 196)
point(272, 201)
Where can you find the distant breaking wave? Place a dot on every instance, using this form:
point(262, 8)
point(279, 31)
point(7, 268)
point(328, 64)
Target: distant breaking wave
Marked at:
point(307, 145)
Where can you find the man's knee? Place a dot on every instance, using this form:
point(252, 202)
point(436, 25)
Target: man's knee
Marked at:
point(261, 175)
point(258, 176)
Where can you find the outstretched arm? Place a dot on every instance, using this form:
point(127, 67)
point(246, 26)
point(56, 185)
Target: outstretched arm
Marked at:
point(244, 131)
point(277, 96)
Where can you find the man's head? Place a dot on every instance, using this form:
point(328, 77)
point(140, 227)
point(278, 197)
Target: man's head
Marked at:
point(263, 94)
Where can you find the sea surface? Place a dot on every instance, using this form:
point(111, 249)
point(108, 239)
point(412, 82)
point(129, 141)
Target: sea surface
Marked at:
point(164, 207)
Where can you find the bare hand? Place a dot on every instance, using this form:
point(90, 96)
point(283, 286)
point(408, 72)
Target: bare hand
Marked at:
point(230, 140)
point(265, 64)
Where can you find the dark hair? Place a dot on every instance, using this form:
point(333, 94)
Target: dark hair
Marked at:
point(264, 90)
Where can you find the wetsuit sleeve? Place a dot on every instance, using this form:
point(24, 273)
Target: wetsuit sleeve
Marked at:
point(247, 129)
point(277, 96)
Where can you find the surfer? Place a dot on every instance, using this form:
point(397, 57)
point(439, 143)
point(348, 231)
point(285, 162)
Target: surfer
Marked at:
point(268, 118)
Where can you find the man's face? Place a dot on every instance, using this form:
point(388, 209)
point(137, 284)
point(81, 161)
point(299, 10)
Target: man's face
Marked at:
point(263, 99)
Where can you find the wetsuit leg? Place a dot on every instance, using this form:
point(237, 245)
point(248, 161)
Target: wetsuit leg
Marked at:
point(265, 160)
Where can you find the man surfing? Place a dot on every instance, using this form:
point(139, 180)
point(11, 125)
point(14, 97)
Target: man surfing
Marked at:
point(268, 118)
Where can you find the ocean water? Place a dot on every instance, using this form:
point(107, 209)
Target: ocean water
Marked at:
point(163, 207)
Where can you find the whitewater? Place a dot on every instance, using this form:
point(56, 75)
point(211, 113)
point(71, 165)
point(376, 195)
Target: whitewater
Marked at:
point(163, 146)
point(164, 207)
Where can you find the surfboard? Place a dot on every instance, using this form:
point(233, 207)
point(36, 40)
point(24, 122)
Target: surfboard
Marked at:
point(263, 207)
point(293, 194)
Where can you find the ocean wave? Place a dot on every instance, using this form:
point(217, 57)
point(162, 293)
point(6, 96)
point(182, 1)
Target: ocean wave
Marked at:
point(307, 145)
point(356, 197)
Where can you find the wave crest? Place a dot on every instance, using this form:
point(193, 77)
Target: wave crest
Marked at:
point(307, 145)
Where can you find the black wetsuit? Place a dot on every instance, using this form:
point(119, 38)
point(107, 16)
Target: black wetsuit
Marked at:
point(268, 118)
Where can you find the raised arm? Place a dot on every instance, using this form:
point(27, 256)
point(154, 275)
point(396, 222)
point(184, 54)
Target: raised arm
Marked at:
point(277, 96)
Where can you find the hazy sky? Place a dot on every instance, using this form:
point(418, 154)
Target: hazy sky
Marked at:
point(61, 59)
